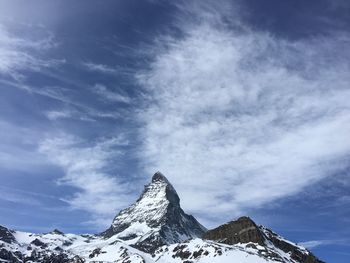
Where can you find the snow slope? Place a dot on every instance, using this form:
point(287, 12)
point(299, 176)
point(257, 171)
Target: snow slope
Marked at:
point(88, 248)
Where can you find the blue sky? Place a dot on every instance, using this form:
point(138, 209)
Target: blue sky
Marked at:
point(243, 105)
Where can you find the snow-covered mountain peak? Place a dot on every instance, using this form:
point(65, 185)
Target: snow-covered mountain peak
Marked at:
point(160, 189)
point(158, 176)
point(155, 218)
point(152, 206)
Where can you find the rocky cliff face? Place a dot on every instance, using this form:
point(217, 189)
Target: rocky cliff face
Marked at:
point(297, 253)
point(244, 230)
point(155, 229)
point(155, 219)
point(6, 235)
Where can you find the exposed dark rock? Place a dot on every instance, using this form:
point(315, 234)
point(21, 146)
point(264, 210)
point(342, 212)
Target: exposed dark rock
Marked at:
point(181, 251)
point(243, 230)
point(44, 257)
point(56, 258)
point(61, 258)
point(6, 235)
point(150, 244)
point(125, 257)
point(296, 253)
point(76, 259)
point(9, 256)
point(57, 232)
point(38, 243)
point(67, 243)
point(59, 249)
point(95, 253)
point(198, 253)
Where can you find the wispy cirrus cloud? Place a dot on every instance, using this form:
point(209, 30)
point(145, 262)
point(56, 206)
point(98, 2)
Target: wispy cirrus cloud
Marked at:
point(17, 152)
point(109, 95)
point(21, 54)
point(54, 115)
point(99, 68)
point(86, 167)
point(318, 243)
point(19, 198)
point(110, 70)
point(75, 114)
point(81, 110)
point(240, 118)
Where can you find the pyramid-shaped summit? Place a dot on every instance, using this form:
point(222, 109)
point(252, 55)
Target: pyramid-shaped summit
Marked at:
point(158, 176)
point(155, 219)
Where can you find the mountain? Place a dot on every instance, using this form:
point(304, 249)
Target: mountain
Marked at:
point(156, 219)
point(244, 230)
point(156, 229)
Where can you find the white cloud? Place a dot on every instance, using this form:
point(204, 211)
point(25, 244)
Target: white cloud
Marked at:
point(111, 70)
point(54, 115)
point(313, 243)
point(16, 198)
point(86, 168)
point(19, 54)
point(106, 94)
point(16, 151)
point(99, 68)
point(81, 110)
point(317, 243)
point(241, 118)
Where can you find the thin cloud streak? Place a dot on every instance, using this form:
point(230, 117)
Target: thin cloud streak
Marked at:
point(318, 243)
point(112, 71)
point(108, 95)
point(82, 111)
point(99, 68)
point(18, 54)
point(54, 115)
point(17, 152)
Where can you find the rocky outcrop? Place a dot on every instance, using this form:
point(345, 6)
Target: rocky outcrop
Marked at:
point(9, 256)
point(6, 235)
point(242, 230)
point(296, 252)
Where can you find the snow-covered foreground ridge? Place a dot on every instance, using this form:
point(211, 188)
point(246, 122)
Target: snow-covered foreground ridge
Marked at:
point(156, 229)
